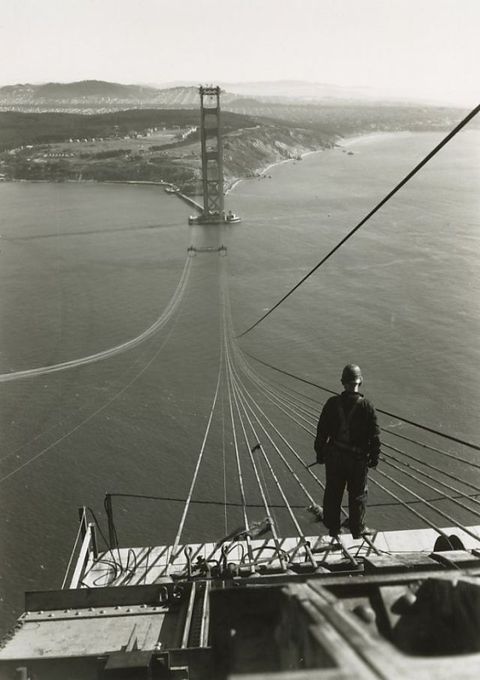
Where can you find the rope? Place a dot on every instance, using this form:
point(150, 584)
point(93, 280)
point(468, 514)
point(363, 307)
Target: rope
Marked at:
point(413, 172)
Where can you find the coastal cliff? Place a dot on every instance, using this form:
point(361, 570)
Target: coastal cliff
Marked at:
point(163, 145)
point(131, 147)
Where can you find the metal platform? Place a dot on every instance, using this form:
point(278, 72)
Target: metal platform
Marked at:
point(387, 550)
point(259, 609)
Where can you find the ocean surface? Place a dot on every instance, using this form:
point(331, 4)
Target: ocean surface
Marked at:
point(87, 267)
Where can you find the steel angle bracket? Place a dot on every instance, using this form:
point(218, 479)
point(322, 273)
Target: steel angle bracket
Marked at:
point(371, 544)
point(346, 551)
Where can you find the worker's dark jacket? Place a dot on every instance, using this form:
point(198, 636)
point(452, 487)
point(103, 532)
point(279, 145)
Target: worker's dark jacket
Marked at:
point(363, 438)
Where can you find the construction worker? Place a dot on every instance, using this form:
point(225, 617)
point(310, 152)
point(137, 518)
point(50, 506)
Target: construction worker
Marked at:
point(348, 443)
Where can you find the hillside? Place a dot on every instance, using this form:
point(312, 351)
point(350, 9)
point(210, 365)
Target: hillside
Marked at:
point(94, 96)
point(17, 129)
point(145, 145)
point(163, 144)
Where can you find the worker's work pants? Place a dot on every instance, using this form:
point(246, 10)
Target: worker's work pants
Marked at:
point(345, 469)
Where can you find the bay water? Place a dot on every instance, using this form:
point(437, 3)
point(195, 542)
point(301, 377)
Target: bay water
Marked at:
point(86, 267)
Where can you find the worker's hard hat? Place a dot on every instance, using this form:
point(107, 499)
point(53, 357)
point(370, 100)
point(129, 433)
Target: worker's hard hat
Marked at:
point(351, 373)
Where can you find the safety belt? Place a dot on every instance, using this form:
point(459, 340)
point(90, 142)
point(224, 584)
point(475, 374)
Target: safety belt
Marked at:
point(343, 439)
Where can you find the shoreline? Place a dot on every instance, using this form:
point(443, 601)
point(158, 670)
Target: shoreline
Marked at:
point(344, 142)
point(340, 143)
point(261, 171)
point(89, 181)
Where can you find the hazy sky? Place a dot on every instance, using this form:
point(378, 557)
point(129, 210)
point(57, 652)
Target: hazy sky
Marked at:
point(427, 48)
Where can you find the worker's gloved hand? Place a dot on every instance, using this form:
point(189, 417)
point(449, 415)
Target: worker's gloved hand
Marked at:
point(372, 461)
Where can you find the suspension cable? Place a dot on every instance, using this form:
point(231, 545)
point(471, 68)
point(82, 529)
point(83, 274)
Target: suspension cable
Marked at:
point(250, 401)
point(304, 413)
point(443, 496)
point(162, 320)
point(287, 443)
point(262, 492)
point(240, 476)
point(407, 505)
point(195, 474)
point(393, 448)
point(413, 172)
point(289, 506)
point(304, 403)
point(97, 411)
point(300, 409)
point(297, 456)
point(432, 467)
point(274, 399)
point(389, 446)
point(431, 448)
point(244, 402)
point(460, 494)
point(254, 378)
point(421, 499)
point(470, 445)
point(427, 503)
point(288, 409)
point(224, 467)
point(239, 402)
point(235, 441)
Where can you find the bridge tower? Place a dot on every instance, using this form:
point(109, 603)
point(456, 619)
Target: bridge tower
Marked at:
point(213, 209)
point(212, 155)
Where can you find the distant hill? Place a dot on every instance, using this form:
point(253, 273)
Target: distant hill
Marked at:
point(19, 129)
point(95, 96)
point(98, 96)
point(302, 91)
point(89, 88)
point(84, 88)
